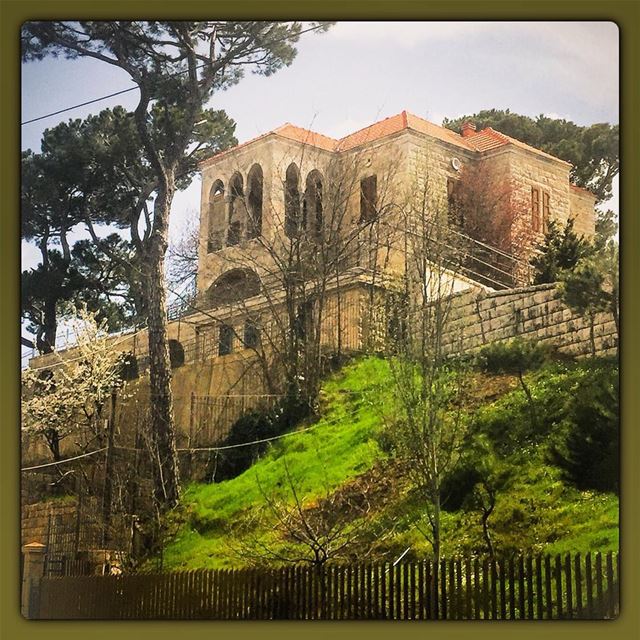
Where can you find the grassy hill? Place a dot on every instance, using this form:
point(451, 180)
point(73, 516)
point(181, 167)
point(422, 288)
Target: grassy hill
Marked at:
point(345, 455)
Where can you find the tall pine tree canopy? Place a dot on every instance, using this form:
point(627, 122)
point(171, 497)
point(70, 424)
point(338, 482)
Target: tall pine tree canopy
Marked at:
point(93, 172)
point(177, 67)
point(593, 151)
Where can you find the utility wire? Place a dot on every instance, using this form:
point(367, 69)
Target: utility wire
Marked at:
point(195, 449)
point(77, 106)
point(117, 93)
point(53, 464)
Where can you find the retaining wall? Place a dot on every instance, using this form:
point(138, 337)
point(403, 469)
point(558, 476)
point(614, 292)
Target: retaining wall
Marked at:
point(478, 317)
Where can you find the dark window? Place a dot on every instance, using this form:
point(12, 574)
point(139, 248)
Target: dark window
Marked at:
point(251, 335)
point(235, 233)
point(292, 212)
point(237, 212)
point(217, 218)
point(312, 213)
point(546, 201)
point(225, 342)
point(176, 354)
point(254, 187)
point(368, 198)
point(215, 240)
point(454, 209)
point(535, 209)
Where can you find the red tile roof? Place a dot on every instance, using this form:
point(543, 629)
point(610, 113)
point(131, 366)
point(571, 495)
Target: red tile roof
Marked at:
point(481, 141)
point(489, 138)
point(575, 187)
point(306, 136)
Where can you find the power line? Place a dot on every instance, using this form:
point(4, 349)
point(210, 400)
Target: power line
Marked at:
point(196, 449)
point(52, 464)
point(77, 106)
point(117, 93)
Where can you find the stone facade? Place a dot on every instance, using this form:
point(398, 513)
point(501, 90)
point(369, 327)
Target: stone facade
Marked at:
point(246, 204)
point(537, 313)
point(37, 517)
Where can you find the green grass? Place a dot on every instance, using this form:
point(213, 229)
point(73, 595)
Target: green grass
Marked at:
point(339, 447)
point(535, 512)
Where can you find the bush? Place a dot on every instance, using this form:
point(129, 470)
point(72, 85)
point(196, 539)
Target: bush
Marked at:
point(458, 485)
point(589, 451)
point(512, 356)
point(257, 425)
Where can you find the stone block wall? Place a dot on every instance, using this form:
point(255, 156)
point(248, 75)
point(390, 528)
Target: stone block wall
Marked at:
point(581, 206)
point(478, 317)
point(36, 517)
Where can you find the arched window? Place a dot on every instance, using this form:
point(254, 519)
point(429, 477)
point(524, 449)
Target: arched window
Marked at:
point(232, 286)
point(251, 338)
point(254, 198)
point(237, 212)
point(292, 221)
point(176, 354)
point(312, 205)
point(217, 218)
point(225, 340)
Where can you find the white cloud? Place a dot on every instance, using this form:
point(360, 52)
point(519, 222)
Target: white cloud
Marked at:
point(557, 116)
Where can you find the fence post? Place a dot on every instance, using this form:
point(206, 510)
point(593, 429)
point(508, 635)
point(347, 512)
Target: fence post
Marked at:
point(33, 571)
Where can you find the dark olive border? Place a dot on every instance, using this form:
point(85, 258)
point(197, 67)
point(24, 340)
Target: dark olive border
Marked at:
point(625, 13)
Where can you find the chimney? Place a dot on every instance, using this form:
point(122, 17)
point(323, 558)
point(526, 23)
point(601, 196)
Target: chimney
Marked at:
point(468, 129)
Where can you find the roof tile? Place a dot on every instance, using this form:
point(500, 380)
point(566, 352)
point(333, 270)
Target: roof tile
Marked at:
point(480, 141)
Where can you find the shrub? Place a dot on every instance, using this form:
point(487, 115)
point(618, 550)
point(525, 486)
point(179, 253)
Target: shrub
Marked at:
point(511, 356)
point(257, 425)
point(588, 453)
point(458, 485)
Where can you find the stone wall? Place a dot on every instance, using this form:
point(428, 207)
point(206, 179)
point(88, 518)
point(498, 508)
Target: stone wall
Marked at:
point(36, 517)
point(581, 206)
point(479, 317)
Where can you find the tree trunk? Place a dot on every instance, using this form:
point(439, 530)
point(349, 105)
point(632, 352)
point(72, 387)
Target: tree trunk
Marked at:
point(46, 338)
point(592, 337)
point(532, 407)
point(485, 531)
point(164, 455)
point(53, 440)
point(436, 527)
point(108, 476)
point(486, 513)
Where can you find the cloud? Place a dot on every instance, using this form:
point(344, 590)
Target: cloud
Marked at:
point(557, 116)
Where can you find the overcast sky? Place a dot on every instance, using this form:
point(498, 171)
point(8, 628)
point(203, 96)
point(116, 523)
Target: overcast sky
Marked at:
point(360, 72)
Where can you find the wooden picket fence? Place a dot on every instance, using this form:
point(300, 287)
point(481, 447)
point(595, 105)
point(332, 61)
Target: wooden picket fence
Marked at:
point(523, 588)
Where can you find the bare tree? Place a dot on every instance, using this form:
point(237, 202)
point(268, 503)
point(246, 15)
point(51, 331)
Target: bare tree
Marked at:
point(304, 267)
point(309, 529)
point(182, 264)
point(429, 424)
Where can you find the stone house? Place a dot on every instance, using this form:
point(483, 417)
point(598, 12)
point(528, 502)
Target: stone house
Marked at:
point(249, 191)
point(261, 197)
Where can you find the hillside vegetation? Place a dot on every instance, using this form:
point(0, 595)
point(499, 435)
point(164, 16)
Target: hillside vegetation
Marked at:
point(345, 462)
